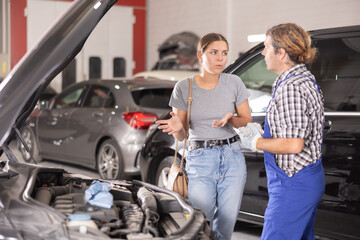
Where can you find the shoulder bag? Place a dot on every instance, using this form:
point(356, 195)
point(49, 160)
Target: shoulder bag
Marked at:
point(177, 179)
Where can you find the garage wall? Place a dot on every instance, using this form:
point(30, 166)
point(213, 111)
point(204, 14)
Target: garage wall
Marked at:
point(116, 47)
point(165, 18)
point(238, 19)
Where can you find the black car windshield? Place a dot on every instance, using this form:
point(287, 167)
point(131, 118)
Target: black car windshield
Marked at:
point(255, 74)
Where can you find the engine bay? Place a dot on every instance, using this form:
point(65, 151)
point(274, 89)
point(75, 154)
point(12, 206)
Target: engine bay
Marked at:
point(139, 210)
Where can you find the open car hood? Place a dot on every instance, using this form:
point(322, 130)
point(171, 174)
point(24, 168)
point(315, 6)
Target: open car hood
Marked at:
point(38, 202)
point(22, 87)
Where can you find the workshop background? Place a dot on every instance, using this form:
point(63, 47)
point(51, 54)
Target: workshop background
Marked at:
point(136, 28)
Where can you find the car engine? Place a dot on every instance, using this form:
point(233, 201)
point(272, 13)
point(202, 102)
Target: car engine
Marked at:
point(139, 210)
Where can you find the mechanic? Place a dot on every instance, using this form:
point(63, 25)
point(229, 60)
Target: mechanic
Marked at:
point(293, 134)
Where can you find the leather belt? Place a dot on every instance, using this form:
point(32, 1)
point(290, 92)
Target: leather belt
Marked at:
point(212, 143)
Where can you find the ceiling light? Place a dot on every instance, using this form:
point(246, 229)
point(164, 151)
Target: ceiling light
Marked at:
point(256, 38)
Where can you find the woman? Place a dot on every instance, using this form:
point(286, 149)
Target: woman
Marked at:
point(292, 141)
point(215, 165)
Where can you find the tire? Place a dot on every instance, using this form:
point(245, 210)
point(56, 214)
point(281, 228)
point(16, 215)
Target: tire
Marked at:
point(29, 139)
point(162, 172)
point(108, 160)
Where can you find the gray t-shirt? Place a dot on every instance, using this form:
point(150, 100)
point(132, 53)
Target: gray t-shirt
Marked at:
point(210, 105)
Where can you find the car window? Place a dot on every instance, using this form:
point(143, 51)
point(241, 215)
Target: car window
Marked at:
point(68, 99)
point(152, 98)
point(258, 81)
point(338, 74)
point(99, 97)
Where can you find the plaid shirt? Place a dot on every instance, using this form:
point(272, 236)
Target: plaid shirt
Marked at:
point(297, 111)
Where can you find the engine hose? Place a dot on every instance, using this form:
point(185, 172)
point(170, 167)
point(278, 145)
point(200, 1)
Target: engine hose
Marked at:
point(147, 199)
point(150, 229)
point(44, 195)
point(151, 218)
point(179, 199)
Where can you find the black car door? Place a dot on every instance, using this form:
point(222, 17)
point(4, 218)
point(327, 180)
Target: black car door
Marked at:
point(338, 74)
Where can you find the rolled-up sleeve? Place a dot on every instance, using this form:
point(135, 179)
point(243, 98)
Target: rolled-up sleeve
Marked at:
point(177, 99)
point(242, 92)
point(291, 107)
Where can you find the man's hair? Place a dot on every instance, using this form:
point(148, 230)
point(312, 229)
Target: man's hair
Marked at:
point(294, 40)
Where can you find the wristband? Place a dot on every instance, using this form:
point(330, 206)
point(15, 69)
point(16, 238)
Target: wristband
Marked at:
point(256, 143)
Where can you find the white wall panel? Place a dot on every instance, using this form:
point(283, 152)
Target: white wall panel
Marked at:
point(256, 16)
point(112, 37)
point(41, 15)
point(237, 19)
point(167, 17)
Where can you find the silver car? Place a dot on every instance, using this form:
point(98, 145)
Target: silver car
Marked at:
point(99, 124)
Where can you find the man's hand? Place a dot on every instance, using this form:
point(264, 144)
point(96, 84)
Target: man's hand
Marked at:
point(250, 134)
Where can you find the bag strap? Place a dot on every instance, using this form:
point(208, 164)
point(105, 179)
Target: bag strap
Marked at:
point(187, 124)
point(189, 101)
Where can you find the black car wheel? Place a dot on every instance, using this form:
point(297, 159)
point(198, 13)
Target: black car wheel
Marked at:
point(109, 161)
point(29, 139)
point(162, 172)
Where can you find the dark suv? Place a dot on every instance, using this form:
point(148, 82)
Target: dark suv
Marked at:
point(337, 71)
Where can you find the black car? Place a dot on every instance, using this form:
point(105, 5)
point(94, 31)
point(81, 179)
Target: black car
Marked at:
point(45, 203)
point(337, 72)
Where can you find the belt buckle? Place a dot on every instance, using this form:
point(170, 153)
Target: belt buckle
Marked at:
point(194, 145)
point(212, 143)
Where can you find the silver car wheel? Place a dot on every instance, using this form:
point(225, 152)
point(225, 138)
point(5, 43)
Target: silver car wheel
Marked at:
point(108, 161)
point(162, 171)
point(163, 177)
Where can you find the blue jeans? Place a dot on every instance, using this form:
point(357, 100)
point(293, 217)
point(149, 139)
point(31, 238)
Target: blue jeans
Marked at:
point(216, 184)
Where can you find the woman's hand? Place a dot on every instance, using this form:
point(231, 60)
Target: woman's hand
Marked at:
point(172, 125)
point(223, 121)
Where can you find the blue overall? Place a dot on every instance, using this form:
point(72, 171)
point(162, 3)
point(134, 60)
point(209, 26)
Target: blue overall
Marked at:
point(293, 201)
